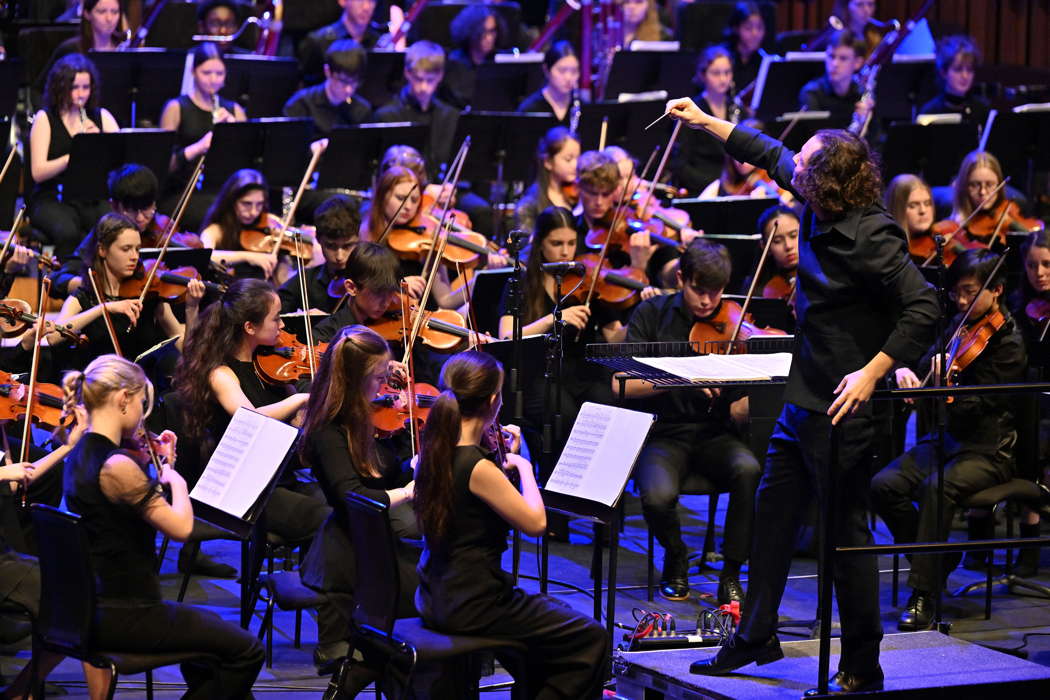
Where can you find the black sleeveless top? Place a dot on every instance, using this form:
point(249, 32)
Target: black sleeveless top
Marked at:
point(61, 144)
point(194, 123)
point(120, 541)
point(146, 333)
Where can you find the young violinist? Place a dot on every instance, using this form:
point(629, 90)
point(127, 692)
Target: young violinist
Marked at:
point(477, 31)
point(558, 96)
point(836, 91)
point(979, 175)
point(355, 23)
point(744, 179)
point(71, 107)
point(555, 184)
point(630, 181)
point(465, 503)
point(981, 429)
point(121, 508)
point(599, 184)
point(340, 448)
point(191, 116)
point(695, 430)
point(697, 157)
point(910, 203)
point(862, 306)
point(745, 32)
point(338, 224)
point(334, 102)
point(958, 58)
point(777, 279)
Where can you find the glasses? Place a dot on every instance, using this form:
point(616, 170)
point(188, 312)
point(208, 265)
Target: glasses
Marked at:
point(976, 186)
point(146, 212)
point(965, 293)
point(217, 25)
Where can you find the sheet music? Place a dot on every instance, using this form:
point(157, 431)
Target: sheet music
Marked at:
point(248, 455)
point(600, 452)
point(699, 368)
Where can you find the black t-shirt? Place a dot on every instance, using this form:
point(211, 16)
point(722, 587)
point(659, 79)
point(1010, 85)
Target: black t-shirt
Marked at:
point(146, 333)
point(818, 96)
point(313, 103)
point(972, 107)
point(440, 117)
point(536, 103)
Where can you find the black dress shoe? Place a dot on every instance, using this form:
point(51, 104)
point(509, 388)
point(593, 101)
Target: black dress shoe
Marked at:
point(327, 664)
point(736, 653)
point(918, 614)
point(674, 583)
point(203, 565)
point(844, 682)
point(675, 588)
point(729, 589)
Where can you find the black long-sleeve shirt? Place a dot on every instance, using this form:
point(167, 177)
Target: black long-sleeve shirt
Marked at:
point(818, 96)
point(440, 117)
point(313, 103)
point(858, 292)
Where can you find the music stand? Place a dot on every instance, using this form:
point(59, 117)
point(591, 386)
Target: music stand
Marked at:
point(903, 86)
point(93, 156)
point(354, 152)
point(278, 148)
point(501, 85)
point(721, 216)
point(700, 24)
point(435, 21)
point(785, 76)
point(175, 26)
point(197, 258)
point(933, 152)
point(260, 84)
point(136, 83)
point(805, 125)
point(489, 285)
point(501, 142)
point(1021, 141)
point(627, 121)
point(384, 76)
point(641, 71)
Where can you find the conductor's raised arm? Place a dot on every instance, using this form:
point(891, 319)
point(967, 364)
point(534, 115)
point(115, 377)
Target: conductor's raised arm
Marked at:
point(685, 110)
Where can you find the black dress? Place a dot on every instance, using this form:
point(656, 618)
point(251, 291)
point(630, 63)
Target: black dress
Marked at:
point(130, 614)
point(463, 589)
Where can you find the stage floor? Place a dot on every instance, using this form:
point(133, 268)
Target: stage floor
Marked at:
point(293, 674)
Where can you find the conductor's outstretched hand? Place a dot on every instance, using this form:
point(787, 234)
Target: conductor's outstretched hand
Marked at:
point(686, 111)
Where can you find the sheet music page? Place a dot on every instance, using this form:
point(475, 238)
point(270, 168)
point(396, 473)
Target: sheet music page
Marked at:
point(748, 367)
point(250, 452)
point(600, 453)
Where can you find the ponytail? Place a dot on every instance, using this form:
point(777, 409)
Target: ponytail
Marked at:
point(433, 501)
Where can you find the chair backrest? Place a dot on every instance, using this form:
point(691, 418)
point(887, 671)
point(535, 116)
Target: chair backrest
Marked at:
point(67, 581)
point(378, 585)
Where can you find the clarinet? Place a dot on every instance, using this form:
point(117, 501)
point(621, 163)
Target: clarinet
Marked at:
point(215, 108)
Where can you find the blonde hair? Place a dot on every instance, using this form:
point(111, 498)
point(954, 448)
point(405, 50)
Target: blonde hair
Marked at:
point(962, 206)
point(425, 57)
point(897, 193)
point(105, 375)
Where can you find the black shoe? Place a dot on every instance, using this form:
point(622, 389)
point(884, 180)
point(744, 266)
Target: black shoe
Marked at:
point(327, 664)
point(844, 682)
point(203, 565)
point(736, 653)
point(918, 614)
point(729, 589)
point(674, 583)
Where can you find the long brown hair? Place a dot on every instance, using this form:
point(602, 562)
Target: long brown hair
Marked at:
point(962, 207)
point(550, 219)
point(547, 149)
point(897, 193)
point(105, 234)
point(390, 179)
point(223, 210)
point(213, 341)
point(337, 394)
point(842, 175)
point(469, 380)
point(59, 87)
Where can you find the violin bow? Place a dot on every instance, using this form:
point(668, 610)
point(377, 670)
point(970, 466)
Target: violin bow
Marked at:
point(962, 226)
point(7, 163)
point(311, 166)
point(300, 265)
point(451, 178)
point(621, 206)
point(998, 226)
point(660, 168)
point(410, 388)
point(34, 367)
point(14, 232)
point(751, 289)
point(105, 312)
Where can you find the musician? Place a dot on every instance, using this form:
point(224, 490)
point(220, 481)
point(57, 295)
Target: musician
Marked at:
point(598, 183)
point(742, 179)
point(477, 31)
point(121, 508)
point(334, 102)
point(958, 58)
point(979, 174)
point(355, 23)
point(417, 102)
point(138, 325)
point(979, 440)
point(777, 279)
point(101, 23)
point(71, 107)
point(338, 222)
point(555, 184)
point(641, 22)
point(836, 91)
point(862, 306)
point(744, 34)
point(910, 203)
point(858, 16)
point(191, 116)
point(558, 96)
point(339, 447)
point(465, 504)
point(221, 18)
point(697, 156)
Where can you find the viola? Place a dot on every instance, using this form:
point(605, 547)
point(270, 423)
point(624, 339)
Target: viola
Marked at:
point(47, 403)
point(923, 247)
point(287, 361)
point(616, 287)
point(15, 319)
point(619, 237)
point(442, 330)
point(390, 407)
point(268, 235)
point(719, 327)
point(166, 284)
point(658, 219)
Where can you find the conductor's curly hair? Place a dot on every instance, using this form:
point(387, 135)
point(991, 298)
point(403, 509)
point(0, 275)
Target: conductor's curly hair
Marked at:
point(842, 175)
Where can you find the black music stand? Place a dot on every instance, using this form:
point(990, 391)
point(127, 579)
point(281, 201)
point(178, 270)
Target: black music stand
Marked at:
point(489, 286)
point(627, 122)
point(701, 24)
point(803, 126)
point(260, 84)
point(722, 216)
point(500, 86)
point(435, 21)
point(933, 152)
point(197, 258)
point(642, 71)
point(137, 83)
point(384, 76)
point(354, 152)
point(1021, 142)
point(780, 80)
point(175, 26)
point(93, 156)
point(503, 144)
point(903, 86)
point(278, 148)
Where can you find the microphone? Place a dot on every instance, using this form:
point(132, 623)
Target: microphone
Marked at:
point(561, 269)
point(518, 235)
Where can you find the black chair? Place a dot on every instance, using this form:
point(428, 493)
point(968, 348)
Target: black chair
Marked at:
point(402, 643)
point(67, 604)
point(286, 591)
point(694, 485)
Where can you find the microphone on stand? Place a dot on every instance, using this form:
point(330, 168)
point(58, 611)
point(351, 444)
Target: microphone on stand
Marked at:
point(561, 269)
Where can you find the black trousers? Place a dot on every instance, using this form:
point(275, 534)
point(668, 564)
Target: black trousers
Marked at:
point(797, 468)
point(172, 627)
point(911, 478)
point(666, 464)
point(64, 224)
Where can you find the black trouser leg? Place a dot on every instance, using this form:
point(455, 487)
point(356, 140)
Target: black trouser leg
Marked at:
point(658, 475)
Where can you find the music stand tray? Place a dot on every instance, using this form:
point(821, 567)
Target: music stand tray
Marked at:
point(932, 151)
point(785, 77)
point(93, 156)
point(502, 143)
point(489, 285)
point(354, 152)
point(384, 77)
point(278, 148)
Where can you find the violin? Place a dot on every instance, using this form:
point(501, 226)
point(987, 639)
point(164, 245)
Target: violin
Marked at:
point(571, 192)
point(264, 237)
point(390, 407)
point(287, 361)
point(47, 403)
point(659, 219)
point(996, 221)
point(972, 342)
point(923, 246)
point(15, 319)
point(1038, 311)
point(412, 241)
point(153, 236)
point(619, 235)
point(616, 287)
point(720, 325)
point(778, 287)
point(441, 330)
point(165, 283)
